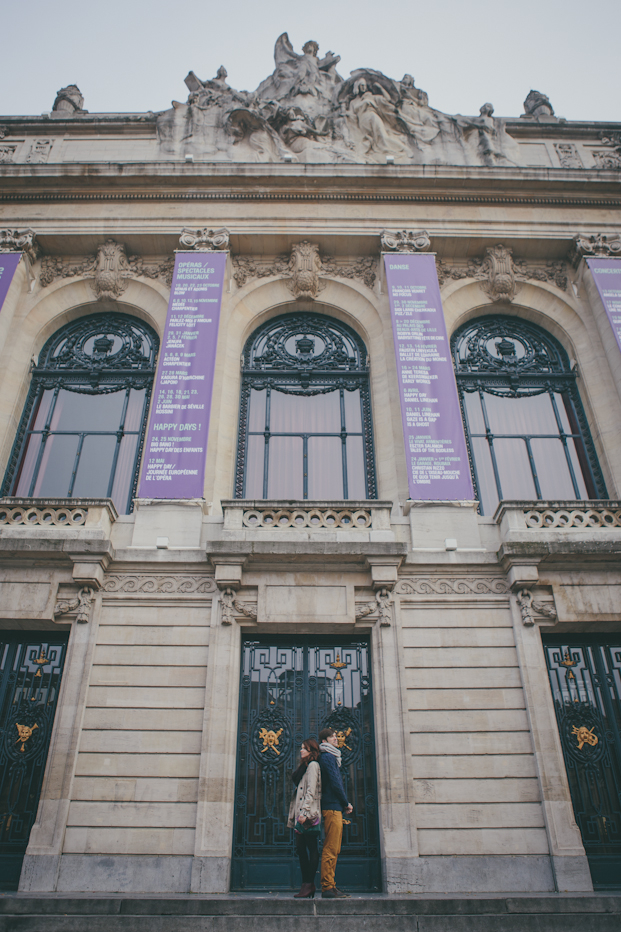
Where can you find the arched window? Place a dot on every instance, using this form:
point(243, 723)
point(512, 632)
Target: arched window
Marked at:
point(305, 418)
point(82, 430)
point(525, 424)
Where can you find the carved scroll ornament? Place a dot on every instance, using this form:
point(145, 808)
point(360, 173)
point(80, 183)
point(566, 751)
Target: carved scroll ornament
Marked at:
point(81, 605)
point(405, 241)
point(109, 271)
point(530, 608)
point(501, 276)
point(303, 269)
point(205, 240)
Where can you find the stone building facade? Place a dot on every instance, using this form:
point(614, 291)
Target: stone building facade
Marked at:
point(442, 638)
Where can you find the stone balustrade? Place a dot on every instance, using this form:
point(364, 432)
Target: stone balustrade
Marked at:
point(320, 516)
point(559, 515)
point(56, 513)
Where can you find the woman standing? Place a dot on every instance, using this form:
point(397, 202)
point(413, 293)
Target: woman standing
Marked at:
point(305, 815)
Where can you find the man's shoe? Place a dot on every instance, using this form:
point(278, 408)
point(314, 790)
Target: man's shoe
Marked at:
point(334, 894)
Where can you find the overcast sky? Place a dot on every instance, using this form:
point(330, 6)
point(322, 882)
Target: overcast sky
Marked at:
point(132, 55)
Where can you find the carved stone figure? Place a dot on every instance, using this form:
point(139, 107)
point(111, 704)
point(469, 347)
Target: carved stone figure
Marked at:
point(492, 144)
point(305, 81)
point(538, 105)
point(405, 241)
point(304, 111)
point(415, 113)
point(206, 240)
point(69, 100)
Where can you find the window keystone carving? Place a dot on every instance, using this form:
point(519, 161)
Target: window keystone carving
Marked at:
point(303, 269)
point(109, 270)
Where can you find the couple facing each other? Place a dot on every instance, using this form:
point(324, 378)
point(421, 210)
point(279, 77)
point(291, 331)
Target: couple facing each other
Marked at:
point(319, 792)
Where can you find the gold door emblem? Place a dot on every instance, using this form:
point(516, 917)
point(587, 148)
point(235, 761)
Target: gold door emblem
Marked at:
point(25, 732)
point(342, 737)
point(584, 736)
point(270, 739)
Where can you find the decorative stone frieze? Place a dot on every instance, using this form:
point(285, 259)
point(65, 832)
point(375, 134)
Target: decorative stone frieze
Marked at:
point(205, 240)
point(405, 241)
point(39, 151)
point(303, 269)
point(568, 155)
point(440, 585)
point(160, 584)
point(610, 157)
point(81, 606)
point(110, 270)
point(7, 152)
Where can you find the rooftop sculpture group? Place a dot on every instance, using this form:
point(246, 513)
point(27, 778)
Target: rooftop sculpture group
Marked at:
point(306, 112)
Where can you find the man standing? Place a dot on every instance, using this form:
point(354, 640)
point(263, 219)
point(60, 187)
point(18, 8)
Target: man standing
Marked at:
point(333, 803)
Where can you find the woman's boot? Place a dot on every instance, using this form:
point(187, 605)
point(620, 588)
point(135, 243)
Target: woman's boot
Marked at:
point(306, 891)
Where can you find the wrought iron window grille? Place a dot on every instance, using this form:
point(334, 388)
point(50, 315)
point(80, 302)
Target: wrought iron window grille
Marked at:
point(94, 355)
point(305, 354)
point(510, 358)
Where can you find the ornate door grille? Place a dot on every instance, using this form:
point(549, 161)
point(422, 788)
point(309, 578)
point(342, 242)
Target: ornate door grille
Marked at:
point(30, 673)
point(586, 686)
point(290, 691)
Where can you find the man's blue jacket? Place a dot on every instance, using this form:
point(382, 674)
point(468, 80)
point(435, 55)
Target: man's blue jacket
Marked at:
point(332, 789)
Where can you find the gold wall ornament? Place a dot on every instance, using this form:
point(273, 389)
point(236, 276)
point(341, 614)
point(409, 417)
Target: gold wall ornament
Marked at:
point(270, 739)
point(42, 661)
point(585, 736)
point(25, 732)
point(338, 666)
point(568, 663)
point(342, 737)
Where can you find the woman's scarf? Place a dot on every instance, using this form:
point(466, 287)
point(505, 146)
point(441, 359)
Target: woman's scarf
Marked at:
point(330, 749)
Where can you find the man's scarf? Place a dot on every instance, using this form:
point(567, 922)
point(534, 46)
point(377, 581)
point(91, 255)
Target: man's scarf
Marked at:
point(330, 749)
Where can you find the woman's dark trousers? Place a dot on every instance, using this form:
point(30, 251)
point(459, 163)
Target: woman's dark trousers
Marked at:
point(308, 853)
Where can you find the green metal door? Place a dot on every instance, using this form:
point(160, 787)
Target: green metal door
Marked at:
point(290, 691)
point(31, 666)
point(585, 674)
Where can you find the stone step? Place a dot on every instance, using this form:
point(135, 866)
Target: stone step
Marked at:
point(57, 913)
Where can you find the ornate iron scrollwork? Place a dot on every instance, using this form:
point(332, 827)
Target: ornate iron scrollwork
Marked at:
point(271, 738)
point(94, 355)
point(305, 354)
point(511, 358)
point(116, 350)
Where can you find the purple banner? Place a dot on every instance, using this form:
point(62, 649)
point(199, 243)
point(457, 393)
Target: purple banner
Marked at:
point(176, 448)
point(607, 276)
point(435, 445)
point(8, 264)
